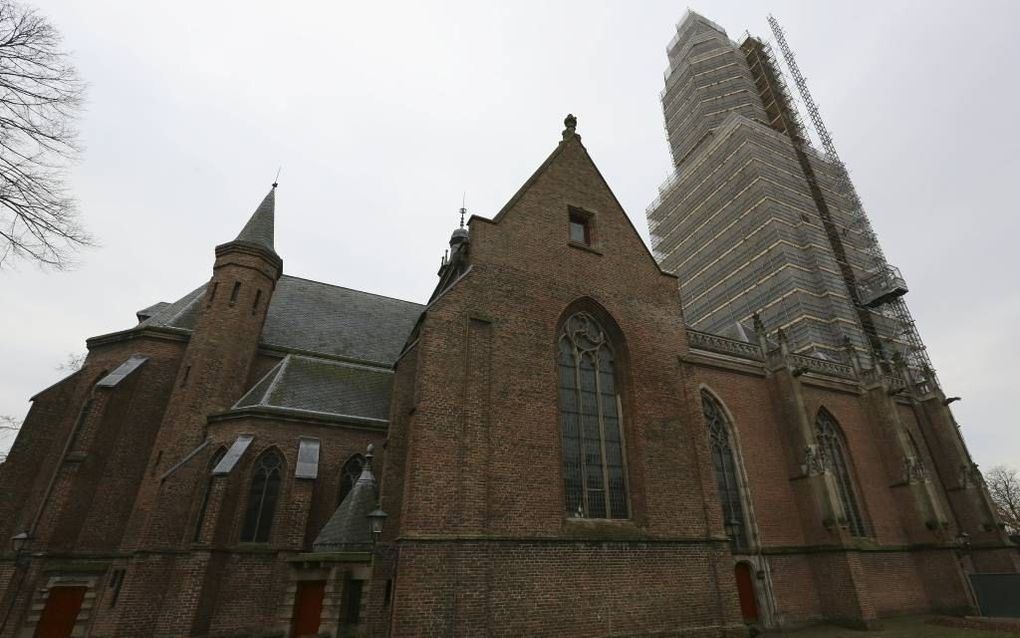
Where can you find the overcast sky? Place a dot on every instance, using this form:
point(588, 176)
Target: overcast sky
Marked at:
point(383, 113)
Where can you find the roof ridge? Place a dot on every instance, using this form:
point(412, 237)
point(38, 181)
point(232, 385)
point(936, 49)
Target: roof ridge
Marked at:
point(345, 364)
point(265, 377)
point(364, 292)
point(284, 365)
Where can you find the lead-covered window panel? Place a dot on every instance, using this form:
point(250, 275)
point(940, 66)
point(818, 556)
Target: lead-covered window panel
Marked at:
point(594, 469)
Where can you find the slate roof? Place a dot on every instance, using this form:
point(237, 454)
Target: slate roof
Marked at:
point(259, 229)
point(348, 529)
point(308, 315)
point(155, 308)
point(318, 318)
point(322, 386)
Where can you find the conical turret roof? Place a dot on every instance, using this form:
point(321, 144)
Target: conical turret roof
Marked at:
point(348, 529)
point(259, 229)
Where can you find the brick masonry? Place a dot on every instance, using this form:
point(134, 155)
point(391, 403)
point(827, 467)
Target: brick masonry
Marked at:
point(116, 486)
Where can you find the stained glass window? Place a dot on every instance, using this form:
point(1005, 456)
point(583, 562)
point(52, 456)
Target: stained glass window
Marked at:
point(834, 456)
point(349, 476)
point(725, 468)
point(265, 489)
point(593, 467)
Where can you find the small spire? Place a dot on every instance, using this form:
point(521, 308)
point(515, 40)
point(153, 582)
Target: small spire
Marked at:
point(463, 208)
point(260, 227)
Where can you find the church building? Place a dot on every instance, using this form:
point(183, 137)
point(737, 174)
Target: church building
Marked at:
point(542, 448)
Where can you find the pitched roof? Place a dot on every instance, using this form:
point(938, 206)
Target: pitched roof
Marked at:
point(145, 313)
point(259, 229)
point(318, 318)
point(325, 387)
point(571, 140)
point(348, 529)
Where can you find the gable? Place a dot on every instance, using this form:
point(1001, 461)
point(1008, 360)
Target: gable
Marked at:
point(537, 217)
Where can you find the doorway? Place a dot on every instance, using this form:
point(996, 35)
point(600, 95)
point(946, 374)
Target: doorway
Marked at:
point(746, 593)
point(60, 613)
point(308, 608)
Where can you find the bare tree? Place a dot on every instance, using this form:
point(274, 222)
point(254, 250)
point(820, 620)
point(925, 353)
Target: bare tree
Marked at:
point(74, 362)
point(8, 426)
point(40, 98)
point(1004, 486)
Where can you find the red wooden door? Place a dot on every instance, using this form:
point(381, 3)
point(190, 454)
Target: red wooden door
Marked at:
point(60, 612)
point(745, 590)
point(308, 608)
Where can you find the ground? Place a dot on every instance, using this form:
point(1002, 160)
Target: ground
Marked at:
point(910, 627)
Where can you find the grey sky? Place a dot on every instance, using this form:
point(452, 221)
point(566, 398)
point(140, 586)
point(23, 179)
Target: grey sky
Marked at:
point(382, 114)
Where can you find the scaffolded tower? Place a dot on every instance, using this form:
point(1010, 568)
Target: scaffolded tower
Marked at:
point(882, 289)
point(756, 220)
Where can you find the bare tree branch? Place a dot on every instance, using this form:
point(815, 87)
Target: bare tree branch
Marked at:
point(1004, 487)
point(74, 362)
point(8, 424)
point(40, 98)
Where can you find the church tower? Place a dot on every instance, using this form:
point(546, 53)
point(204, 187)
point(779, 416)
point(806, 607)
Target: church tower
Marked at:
point(217, 363)
point(214, 372)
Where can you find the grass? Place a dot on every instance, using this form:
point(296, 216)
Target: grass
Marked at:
point(909, 627)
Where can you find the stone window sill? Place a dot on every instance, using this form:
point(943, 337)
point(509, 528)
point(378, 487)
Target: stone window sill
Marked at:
point(584, 247)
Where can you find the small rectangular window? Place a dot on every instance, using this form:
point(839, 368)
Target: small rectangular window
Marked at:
point(580, 227)
point(255, 304)
point(212, 292)
point(234, 292)
point(187, 373)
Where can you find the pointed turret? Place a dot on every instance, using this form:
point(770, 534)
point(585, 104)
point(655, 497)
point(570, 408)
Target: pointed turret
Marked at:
point(348, 529)
point(455, 262)
point(256, 238)
point(259, 229)
point(216, 369)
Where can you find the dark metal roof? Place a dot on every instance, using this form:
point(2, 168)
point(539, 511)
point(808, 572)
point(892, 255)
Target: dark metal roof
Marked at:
point(325, 387)
point(314, 317)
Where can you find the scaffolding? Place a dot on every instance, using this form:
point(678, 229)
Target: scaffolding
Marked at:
point(879, 293)
point(754, 219)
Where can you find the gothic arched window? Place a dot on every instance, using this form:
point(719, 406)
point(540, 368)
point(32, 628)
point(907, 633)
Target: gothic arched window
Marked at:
point(725, 468)
point(593, 466)
point(349, 476)
point(833, 452)
point(262, 497)
point(205, 493)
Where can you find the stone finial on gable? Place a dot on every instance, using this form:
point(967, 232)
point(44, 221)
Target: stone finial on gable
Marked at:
point(570, 122)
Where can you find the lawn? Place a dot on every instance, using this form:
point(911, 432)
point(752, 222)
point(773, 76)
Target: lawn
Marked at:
point(911, 627)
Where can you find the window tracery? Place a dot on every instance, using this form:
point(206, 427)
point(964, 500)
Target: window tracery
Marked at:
point(835, 458)
point(349, 476)
point(593, 447)
point(725, 468)
point(262, 497)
